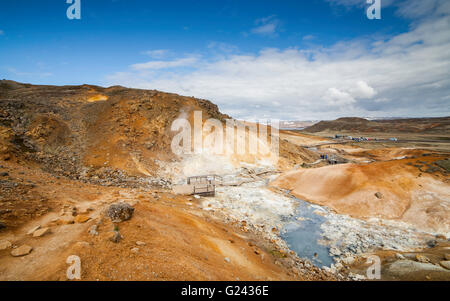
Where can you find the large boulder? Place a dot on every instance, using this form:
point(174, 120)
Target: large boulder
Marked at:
point(120, 212)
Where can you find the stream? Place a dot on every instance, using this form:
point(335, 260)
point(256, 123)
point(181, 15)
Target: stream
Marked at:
point(303, 232)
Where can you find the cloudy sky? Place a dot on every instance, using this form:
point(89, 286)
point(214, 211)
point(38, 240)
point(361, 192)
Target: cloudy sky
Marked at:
point(256, 59)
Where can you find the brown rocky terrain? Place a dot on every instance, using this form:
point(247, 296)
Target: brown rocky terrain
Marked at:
point(411, 125)
point(68, 153)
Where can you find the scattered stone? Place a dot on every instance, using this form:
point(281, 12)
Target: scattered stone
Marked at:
point(404, 267)
point(338, 266)
point(4, 244)
point(422, 259)
point(335, 251)
point(257, 251)
point(21, 251)
point(135, 250)
point(379, 195)
point(4, 174)
point(356, 277)
point(348, 260)
point(227, 259)
point(41, 232)
point(86, 210)
point(447, 256)
point(116, 237)
point(399, 256)
point(140, 243)
point(74, 211)
point(120, 212)
point(82, 244)
point(441, 237)
point(320, 212)
point(93, 230)
point(65, 220)
point(32, 230)
point(197, 196)
point(431, 243)
point(2, 225)
point(80, 219)
point(445, 264)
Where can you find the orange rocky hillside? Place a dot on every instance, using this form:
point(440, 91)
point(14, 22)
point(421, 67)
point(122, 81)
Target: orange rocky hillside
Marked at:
point(399, 190)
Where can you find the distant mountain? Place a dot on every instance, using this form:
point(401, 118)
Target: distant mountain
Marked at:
point(406, 125)
point(297, 124)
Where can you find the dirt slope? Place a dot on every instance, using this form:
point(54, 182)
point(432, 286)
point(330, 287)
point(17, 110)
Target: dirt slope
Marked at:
point(93, 133)
point(181, 241)
point(408, 190)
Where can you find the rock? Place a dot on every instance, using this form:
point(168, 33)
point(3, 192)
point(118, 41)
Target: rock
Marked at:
point(400, 268)
point(447, 256)
point(135, 250)
point(356, 277)
point(4, 174)
point(32, 230)
point(335, 251)
point(120, 212)
point(116, 237)
point(2, 225)
point(4, 244)
point(320, 212)
point(445, 264)
point(140, 243)
point(82, 244)
point(338, 266)
point(399, 256)
point(80, 219)
point(86, 210)
point(197, 196)
point(441, 237)
point(379, 195)
point(348, 260)
point(422, 259)
point(227, 259)
point(431, 243)
point(93, 230)
point(65, 220)
point(21, 251)
point(41, 232)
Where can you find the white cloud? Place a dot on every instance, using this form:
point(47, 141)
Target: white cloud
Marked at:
point(155, 65)
point(405, 8)
point(269, 26)
point(157, 54)
point(404, 75)
point(359, 3)
point(363, 90)
point(308, 37)
point(334, 96)
point(29, 74)
point(222, 47)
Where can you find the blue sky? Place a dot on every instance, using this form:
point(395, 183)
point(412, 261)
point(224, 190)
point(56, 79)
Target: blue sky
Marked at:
point(282, 59)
